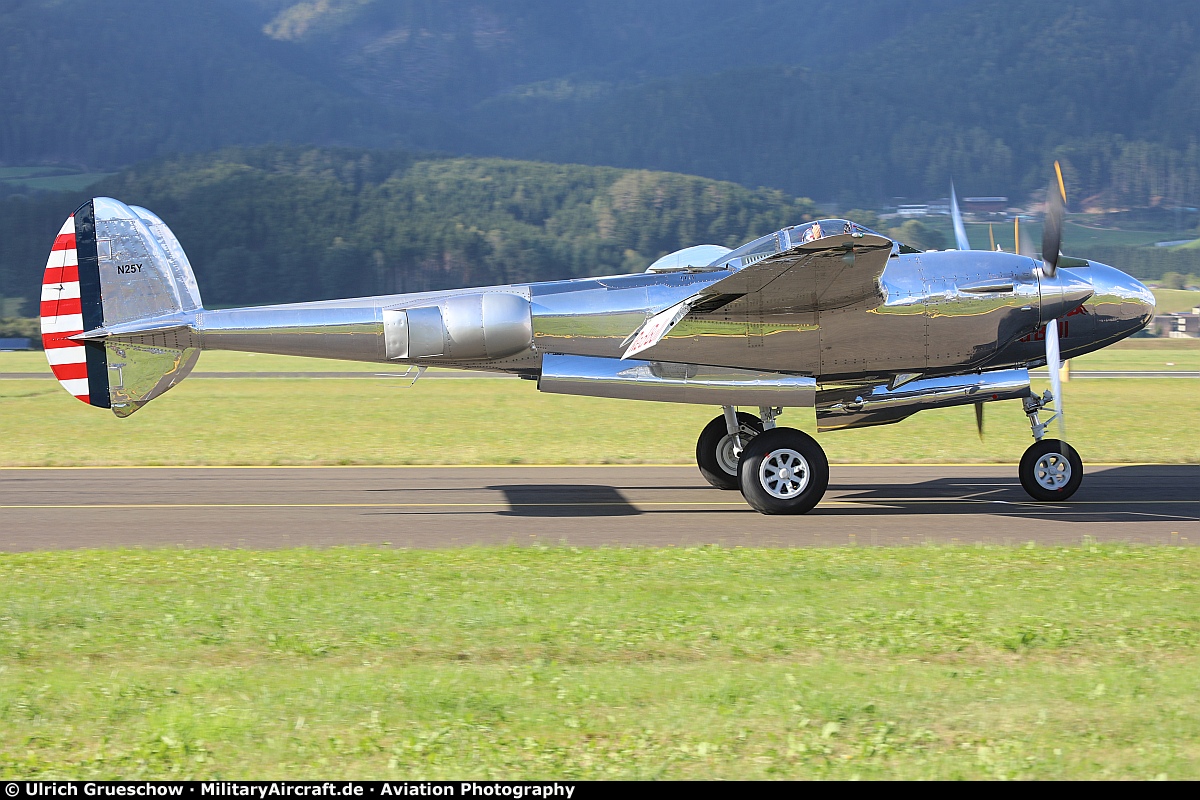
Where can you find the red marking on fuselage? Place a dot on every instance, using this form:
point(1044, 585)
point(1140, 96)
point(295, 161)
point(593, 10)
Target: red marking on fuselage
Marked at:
point(1063, 327)
point(1040, 334)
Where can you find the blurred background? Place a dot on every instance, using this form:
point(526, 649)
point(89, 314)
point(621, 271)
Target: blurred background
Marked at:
point(307, 150)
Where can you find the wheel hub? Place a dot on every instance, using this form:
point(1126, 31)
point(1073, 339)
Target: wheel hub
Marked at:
point(784, 473)
point(1052, 471)
point(728, 452)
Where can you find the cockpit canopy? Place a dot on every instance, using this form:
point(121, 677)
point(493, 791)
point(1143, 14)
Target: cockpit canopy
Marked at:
point(786, 239)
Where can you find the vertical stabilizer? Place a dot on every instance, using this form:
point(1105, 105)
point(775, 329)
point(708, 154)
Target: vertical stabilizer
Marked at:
point(117, 268)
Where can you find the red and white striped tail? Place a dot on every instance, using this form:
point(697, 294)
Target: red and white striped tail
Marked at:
point(62, 317)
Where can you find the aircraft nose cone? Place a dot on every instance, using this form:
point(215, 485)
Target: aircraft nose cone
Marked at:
point(1120, 299)
point(1137, 302)
point(1142, 299)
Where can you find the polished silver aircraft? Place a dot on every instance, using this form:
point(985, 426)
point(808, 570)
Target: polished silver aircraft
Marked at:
point(827, 315)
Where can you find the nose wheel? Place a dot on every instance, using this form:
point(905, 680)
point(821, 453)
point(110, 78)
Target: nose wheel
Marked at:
point(1050, 470)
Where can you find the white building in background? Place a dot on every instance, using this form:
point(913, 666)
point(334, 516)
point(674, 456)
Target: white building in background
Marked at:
point(1180, 325)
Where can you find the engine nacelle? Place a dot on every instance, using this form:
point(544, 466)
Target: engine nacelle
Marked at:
point(863, 406)
point(487, 325)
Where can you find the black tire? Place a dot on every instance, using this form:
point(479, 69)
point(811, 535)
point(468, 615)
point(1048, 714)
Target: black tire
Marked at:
point(1050, 470)
point(762, 464)
point(713, 449)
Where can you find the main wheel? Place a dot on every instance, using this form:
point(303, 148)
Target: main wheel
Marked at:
point(715, 449)
point(783, 471)
point(1050, 470)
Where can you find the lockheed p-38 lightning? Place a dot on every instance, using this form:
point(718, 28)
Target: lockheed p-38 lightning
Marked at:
point(827, 315)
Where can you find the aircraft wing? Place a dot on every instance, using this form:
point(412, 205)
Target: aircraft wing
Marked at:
point(827, 273)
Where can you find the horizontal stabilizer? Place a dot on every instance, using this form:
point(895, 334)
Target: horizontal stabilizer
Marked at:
point(139, 373)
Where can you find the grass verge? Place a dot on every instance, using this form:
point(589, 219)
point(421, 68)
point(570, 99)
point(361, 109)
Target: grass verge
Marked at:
point(1131, 354)
point(638, 663)
point(467, 421)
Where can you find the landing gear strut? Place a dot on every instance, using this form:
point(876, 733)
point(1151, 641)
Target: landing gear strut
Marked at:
point(721, 444)
point(1050, 469)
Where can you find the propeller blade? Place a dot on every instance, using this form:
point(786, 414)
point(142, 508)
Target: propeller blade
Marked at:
point(992, 237)
point(960, 230)
point(1024, 243)
point(1056, 206)
point(979, 419)
point(1054, 364)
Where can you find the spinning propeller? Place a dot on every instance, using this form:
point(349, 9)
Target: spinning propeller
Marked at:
point(1056, 205)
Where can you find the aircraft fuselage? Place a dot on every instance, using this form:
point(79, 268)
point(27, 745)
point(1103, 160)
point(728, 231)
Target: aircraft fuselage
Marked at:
point(938, 313)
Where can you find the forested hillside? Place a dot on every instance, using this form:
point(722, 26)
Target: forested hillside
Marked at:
point(280, 224)
point(856, 101)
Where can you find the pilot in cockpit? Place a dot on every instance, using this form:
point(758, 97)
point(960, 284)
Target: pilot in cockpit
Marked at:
point(812, 233)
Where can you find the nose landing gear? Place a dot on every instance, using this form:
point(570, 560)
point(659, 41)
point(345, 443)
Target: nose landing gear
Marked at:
point(1050, 469)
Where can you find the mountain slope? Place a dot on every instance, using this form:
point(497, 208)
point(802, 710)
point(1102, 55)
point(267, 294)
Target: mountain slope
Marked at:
point(279, 224)
point(857, 100)
point(105, 85)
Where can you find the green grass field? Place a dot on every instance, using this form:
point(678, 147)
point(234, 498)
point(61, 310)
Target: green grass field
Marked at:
point(1174, 300)
point(50, 179)
point(472, 421)
point(624, 663)
point(1131, 354)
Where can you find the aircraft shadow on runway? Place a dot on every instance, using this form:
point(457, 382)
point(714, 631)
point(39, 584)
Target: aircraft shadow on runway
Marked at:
point(1120, 494)
point(569, 500)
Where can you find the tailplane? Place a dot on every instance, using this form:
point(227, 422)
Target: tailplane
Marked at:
point(117, 298)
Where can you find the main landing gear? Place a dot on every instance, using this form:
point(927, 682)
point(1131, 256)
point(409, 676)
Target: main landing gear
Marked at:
point(1050, 469)
point(779, 470)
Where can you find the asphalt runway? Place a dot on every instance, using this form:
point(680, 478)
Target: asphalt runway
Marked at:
point(584, 506)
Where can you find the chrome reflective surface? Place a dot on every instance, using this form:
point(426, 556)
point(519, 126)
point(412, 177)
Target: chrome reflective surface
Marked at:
point(426, 332)
point(826, 303)
point(673, 382)
point(138, 373)
point(181, 268)
point(864, 406)
point(1119, 306)
point(138, 277)
point(699, 256)
point(318, 331)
